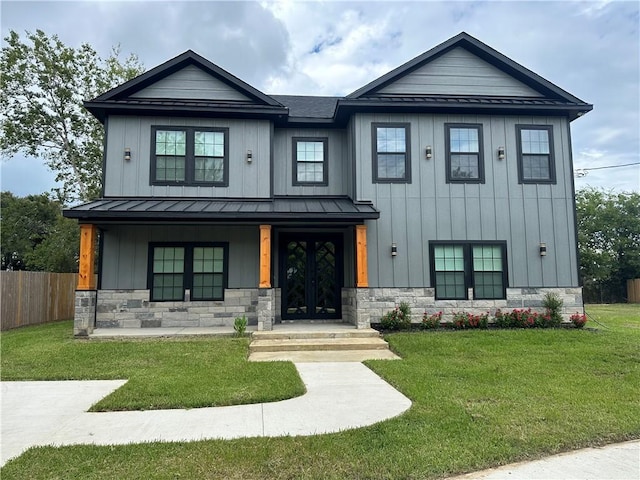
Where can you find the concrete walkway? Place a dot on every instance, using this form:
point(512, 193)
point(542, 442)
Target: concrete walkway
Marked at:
point(619, 461)
point(339, 396)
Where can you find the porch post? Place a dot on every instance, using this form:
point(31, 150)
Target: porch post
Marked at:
point(86, 295)
point(362, 276)
point(266, 296)
point(265, 256)
point(86, 274)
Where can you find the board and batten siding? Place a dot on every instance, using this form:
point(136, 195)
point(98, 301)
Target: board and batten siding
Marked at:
point(132, 178)
point(337, 162)
point(191, 83)
point(127, 251)
point(428, 208)
point(459, 72)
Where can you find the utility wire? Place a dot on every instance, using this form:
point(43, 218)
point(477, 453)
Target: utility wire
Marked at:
point(581, 172)
point(610, 166)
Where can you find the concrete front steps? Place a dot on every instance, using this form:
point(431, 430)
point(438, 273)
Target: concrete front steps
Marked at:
point(326, 343)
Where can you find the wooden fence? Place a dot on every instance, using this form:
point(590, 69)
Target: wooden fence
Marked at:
point(30, 298)
point(633, 291)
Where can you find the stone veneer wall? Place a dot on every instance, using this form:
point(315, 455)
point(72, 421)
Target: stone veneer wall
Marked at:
point(85, 311)
point(373, 303)
point(132, 309)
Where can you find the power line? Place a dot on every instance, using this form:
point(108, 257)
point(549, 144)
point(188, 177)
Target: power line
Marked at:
point(581, 172)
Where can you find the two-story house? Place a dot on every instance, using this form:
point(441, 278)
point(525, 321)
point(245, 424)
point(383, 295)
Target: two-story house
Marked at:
point(446, 183)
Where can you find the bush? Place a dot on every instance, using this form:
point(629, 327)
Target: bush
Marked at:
point(397, 319)
point(463, 320)
point(578, 319)
point(430, 321)
point(553, 305)
point(520, 318)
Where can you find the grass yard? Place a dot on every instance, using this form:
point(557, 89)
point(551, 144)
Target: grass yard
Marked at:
point(162, 373)
point(481, 398)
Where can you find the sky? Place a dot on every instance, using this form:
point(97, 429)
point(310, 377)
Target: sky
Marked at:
point(591, 49)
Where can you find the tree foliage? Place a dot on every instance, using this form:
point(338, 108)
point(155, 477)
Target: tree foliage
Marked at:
point(35, 235)
point(42, 87)
point(608, 241)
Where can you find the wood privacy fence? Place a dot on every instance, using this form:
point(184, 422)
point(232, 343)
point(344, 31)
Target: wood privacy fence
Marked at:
point(30, 298)
point(633, 291)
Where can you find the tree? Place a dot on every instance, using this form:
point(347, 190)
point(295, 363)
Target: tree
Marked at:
point(35, 235)
point(608, 241)
point(42, 87)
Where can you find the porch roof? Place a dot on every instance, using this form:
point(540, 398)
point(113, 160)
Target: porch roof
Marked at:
point(278, 209)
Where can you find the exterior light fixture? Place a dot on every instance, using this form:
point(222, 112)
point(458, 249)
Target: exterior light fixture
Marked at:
point(127, 154)
point(543, 249)
point(429, 153)
point(394, 250)
point(500, 153)
point(249, 156)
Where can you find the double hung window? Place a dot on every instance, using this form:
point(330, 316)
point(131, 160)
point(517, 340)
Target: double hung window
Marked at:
point(459, 266)
point(465, 162)
point(536, 163)
point(202, 268)
point(191, 156)
point(391, 159)
point(309, 161)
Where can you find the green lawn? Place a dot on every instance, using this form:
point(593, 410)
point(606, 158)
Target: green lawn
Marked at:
point(481, 398)
point(162, 373)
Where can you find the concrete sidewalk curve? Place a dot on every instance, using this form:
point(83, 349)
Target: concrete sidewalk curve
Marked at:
point(339, 396)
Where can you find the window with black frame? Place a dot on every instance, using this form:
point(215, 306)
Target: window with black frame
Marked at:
point(391, 159)
point(457, 267)
point(464, 153)
point(175, 268)
point(189, 156)
point(310, 161)
point(536, 163)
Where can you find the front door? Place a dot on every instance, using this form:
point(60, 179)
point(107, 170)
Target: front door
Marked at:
point(311, 276)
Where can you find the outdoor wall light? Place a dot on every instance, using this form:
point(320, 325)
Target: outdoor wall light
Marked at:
point(500, 153)
point(543, 249)
point(127, 154)
point(249, 156)
point(429, 152)
point(394, 250)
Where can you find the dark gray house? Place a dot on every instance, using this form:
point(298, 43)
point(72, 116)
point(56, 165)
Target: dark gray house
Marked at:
point(446, 183)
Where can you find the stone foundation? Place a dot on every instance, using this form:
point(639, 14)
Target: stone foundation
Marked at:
point(360, 307)
point(132, 309)
point(372, 303)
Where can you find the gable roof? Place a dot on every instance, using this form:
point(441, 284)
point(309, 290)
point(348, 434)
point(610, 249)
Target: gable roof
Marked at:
point(119, 98)
point(540, 96)
point(483, 51)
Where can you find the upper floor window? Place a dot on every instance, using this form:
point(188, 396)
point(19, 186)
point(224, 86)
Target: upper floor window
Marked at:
point(536, 163)
point(458, 266)
point(391, 160)
point(464, 159)
point(197, 156)
point(309, 161)
point(198, 267)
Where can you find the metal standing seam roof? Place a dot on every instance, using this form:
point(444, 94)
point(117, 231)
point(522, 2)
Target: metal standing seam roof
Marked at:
point(321, 209)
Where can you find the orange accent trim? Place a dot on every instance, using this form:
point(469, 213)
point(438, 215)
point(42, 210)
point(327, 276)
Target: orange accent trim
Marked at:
point(86, 274)
point(362, 276)
point(265, 256)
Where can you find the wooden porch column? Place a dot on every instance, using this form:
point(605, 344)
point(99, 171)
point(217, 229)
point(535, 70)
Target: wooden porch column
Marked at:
point(362, 276)
point(86, 274)
point(265, 256)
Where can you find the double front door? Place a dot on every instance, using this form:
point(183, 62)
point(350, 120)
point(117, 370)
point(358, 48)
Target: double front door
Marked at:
point(311, 276)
